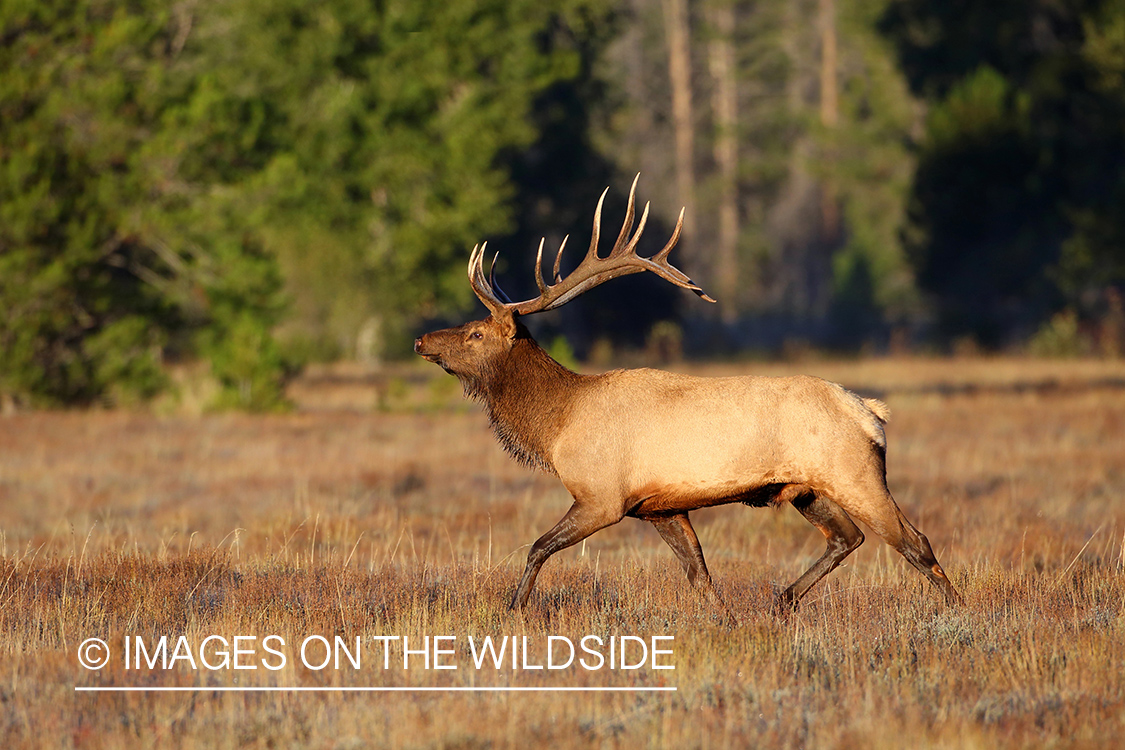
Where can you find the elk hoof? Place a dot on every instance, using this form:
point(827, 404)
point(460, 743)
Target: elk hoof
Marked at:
point(784, 602)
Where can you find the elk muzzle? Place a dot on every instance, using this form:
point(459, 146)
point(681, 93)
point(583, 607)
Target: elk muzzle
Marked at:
point(421, 349)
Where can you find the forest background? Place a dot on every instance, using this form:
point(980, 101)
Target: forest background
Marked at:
point(254, 185)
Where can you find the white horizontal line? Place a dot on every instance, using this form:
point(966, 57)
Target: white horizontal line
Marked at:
point(297, 689)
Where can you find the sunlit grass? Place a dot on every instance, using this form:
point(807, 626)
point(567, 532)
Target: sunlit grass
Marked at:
point(410, 521)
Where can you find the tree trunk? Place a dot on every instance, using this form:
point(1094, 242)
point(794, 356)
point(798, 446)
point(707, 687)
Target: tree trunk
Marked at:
point(724, 102)
point(678, 37)
point(829, 116)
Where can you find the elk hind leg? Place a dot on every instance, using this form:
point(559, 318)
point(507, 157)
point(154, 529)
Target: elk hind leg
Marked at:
point(841, 534)
point(886, 520)
point(676, 530)
point(915, 547)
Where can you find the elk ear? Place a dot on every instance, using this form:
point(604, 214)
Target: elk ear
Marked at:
point(505, 323)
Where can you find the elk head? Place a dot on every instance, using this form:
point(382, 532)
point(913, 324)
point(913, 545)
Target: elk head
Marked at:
point(475, 350)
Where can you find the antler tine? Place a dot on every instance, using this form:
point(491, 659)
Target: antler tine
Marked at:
point(476, 272)
point(539, 268)
point(631, 248)
point(496, 290)
point(668, 272)
point(492, 270)
point(597, 233)
point(591, 272)
point(556, 278)
point(472, 265)
point(663, 254)
point(622, 246)
point(480, 284)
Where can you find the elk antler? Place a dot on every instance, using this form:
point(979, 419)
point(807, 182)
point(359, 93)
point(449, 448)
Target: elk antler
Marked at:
point(592, 271)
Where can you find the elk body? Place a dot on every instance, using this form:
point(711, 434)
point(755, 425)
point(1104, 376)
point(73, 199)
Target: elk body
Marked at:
point(656, 445)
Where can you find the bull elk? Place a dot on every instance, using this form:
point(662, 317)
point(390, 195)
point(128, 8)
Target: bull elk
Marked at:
point(656, 445)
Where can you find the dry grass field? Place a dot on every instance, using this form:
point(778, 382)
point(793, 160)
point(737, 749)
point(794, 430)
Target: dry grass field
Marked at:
point(385, 508)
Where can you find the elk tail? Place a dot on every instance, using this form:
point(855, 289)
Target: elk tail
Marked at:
point(881, 411)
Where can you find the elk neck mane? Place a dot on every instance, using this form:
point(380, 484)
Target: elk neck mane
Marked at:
point(528, 397)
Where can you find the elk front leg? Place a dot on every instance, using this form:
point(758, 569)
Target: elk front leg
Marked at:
point(677, 531)
point(580, 521)
point(841, 533)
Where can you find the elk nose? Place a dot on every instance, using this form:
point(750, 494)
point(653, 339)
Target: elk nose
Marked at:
point(418, 346)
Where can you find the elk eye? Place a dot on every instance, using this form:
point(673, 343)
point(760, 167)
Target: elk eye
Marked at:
point(476, 335)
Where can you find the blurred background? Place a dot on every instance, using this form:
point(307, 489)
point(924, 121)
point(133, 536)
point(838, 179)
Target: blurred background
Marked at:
point(243, 188)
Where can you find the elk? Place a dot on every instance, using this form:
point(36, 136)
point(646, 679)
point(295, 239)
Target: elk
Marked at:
point(656, 445)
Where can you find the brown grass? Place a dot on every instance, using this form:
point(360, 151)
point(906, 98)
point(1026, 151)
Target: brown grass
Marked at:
point(410, 521)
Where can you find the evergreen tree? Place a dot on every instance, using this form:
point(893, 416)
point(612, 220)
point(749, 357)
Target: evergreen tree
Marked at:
point(108, 260)
point(382, 128)
point(1016, 206)
point(173, 180)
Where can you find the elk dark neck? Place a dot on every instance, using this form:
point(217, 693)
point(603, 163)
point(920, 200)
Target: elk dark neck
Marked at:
point(529, 400)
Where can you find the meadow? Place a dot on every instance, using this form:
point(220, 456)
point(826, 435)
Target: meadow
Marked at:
point(382, 506)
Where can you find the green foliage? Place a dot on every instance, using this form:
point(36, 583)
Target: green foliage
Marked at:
point(173, 180)
point(859, 161)
point(126, 355)
point(376, 132)
point(73, 311)
point(108, 255)
point(244, 357)
point(1059, 337)
point(976, 242)
point(1093, 258)
point(1017, 201)
point(260, 183)
point(871, 276)
point(978, 108)
point(562, 352)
